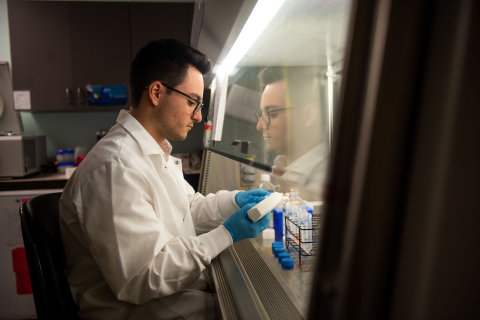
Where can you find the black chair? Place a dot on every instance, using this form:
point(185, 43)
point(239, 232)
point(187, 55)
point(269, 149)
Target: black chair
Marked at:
point(45, 257)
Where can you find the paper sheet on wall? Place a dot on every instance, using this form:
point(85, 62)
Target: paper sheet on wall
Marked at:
point(21, 100)
point(13, 230)
point(219, 107)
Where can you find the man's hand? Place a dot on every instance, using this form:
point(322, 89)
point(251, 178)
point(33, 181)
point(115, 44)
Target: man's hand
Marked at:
point(252, 196)
point(241, 227)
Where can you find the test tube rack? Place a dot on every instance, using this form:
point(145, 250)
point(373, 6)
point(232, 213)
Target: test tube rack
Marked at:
point(294, 239)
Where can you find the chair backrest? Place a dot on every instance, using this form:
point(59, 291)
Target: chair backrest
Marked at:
point(45, 257)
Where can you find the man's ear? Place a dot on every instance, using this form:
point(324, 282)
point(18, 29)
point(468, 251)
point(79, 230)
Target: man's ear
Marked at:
point(155, 92)
point(310, 114)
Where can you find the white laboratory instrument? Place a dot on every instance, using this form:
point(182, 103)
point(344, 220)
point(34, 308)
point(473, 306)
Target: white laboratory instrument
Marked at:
point(19, 155)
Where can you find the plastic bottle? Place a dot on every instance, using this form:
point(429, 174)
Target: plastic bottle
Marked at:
point(68, 155)
point(310, 211)
point(207, 136)
point(292, 210)
point(305, 221)
point(266, 184)
point(278, 222)
point(59, 154)
point(309, 207)
point(286, 197)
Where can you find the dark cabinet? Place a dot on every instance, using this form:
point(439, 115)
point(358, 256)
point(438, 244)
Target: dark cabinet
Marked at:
point(41, 53)
point(100, 48)
point(151, 20)
point(58, 48)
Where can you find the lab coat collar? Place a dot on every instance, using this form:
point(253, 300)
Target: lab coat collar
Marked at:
point(147, 143)
point(307, 163)
point(301, 169)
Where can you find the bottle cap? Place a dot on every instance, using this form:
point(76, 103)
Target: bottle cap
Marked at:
point(277, 244)
point(283, 255)
point(265, 177)
point(278, 250)
point(309, 207)
point(287, 263)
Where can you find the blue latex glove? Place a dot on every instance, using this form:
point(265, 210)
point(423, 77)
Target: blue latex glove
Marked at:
point(241, 227)
point(252, 196)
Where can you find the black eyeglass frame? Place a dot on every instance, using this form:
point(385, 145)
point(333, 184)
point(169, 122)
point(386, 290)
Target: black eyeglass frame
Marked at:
point(259, 114)
point(199, 102)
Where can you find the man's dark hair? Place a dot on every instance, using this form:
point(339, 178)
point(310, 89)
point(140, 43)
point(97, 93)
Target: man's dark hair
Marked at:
point(164, 60)
point(301, 82)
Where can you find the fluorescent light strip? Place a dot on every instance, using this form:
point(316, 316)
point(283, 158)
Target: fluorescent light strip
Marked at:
point(262, 14)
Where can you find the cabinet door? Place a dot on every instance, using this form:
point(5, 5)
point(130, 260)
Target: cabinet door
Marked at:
point(41, 54)
point(150, 21)
point(100, 47)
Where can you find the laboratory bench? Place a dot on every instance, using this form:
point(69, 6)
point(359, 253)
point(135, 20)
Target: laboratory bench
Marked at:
point(251, 284)
point(35, 181)
point(52, 180)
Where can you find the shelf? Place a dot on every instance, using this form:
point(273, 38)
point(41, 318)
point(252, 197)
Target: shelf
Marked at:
point(34, 182)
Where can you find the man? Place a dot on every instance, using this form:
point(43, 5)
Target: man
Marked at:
point(137, 238)
point(292, 125)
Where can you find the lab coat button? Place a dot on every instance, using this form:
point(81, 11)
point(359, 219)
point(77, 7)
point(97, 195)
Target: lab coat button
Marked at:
point(176, 162)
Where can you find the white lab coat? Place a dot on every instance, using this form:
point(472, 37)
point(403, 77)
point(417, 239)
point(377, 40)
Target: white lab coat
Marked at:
point(309, 170)
point(136, 235)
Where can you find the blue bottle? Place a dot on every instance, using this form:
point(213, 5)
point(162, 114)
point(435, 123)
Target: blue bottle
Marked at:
point(278, 222)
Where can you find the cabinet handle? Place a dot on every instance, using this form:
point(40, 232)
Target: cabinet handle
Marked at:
point(69, 96)
point(80, 96)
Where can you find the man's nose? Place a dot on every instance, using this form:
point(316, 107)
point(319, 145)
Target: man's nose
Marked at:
point(197, 117)
point(261, 125)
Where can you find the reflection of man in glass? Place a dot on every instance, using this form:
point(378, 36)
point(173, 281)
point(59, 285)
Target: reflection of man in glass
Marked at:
point(292, 124)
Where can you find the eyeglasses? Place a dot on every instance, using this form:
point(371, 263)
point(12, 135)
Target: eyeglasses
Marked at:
point(265, 115)
point(199, 104)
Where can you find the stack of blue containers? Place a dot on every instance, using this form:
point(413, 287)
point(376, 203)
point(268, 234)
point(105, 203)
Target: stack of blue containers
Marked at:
point(283, 257)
